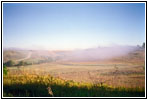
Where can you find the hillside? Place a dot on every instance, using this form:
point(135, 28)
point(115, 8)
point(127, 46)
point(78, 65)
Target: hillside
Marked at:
point(84, 55)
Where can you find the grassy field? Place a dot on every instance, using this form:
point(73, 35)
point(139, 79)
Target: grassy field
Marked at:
point(119, 77)
point(116, 75)
point(45, 86)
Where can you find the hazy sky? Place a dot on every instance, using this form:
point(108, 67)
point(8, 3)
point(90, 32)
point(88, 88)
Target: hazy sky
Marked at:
point(72, 25)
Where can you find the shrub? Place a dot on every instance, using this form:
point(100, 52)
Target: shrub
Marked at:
point(21, 63)
point(5, 70)
point(9, 63)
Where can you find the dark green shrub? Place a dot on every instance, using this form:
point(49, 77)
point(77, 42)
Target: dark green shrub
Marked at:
point(21, 63)
point(5, 70)
point(10, 63)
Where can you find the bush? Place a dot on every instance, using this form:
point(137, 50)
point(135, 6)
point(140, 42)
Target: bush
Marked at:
point(5, 70)
point(9, 63)
point(21, 63)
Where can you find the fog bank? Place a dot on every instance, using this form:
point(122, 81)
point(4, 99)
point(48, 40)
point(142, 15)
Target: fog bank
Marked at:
point(100, 53)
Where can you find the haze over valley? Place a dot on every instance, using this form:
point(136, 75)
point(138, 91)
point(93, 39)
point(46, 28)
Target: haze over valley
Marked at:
point(74, 49)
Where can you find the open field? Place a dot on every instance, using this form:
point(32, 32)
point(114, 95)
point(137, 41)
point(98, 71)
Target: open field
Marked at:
point(119, 76)
point(115, 75)
point(46, 86)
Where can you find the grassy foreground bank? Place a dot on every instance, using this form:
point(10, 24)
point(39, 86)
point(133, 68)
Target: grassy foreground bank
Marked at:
point(46, 86)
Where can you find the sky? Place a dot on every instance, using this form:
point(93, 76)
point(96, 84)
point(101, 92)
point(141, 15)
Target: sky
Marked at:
point(66, 26)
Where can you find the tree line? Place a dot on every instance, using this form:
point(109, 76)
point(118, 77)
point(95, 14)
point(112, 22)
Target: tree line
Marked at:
point(12, 63)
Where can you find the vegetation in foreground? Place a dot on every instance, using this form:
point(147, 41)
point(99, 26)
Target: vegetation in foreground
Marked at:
point(46, 86)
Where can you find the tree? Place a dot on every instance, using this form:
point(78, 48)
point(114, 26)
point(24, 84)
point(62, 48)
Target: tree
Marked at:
point(9, 63)
point(143, 45)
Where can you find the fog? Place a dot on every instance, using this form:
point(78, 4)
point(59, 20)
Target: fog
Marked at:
point(100, 53)
point(91, 54)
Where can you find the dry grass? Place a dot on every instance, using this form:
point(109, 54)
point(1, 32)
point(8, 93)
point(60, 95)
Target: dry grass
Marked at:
point(123, 75)
point(45, 85)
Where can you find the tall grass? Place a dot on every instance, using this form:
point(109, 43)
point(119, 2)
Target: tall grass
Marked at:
point(38, 86)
